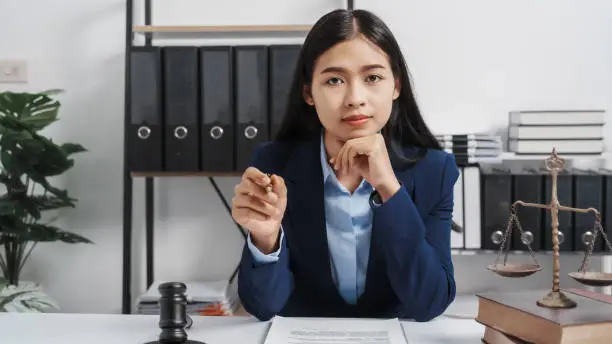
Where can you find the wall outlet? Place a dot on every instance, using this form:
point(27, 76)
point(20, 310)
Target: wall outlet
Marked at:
point(13, 71)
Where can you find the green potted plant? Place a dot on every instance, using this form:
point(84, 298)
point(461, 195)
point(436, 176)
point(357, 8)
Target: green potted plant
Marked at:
point(27, 160)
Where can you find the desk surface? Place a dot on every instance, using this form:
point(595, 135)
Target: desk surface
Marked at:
point(73, 328)
point(138, 329)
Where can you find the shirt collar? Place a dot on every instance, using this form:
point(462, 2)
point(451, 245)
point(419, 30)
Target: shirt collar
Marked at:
point(324, 163)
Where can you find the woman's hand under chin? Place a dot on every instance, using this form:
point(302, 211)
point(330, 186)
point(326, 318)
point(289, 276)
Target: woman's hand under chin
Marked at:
point(368, 157)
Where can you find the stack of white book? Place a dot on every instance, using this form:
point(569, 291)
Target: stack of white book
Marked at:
point(472, 148)
point(574, 132)
point(203, 298)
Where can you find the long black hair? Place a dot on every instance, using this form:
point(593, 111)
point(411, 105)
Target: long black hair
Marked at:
point(405, 127)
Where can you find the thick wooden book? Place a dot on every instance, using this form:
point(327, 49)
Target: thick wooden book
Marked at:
point(517, 314)
point(493, 336)
point(590, 294)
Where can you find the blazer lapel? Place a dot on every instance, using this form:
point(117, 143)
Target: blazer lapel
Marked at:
point(306, 210)
point(376, 273)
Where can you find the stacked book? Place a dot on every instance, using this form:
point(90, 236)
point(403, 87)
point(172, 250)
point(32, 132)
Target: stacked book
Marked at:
point(569, 132)
point(472, 148)
point(513, 317)
point(203, 298)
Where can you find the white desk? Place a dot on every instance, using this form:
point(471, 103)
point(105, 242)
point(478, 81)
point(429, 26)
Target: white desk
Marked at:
point(58, 328)
point(21, 328)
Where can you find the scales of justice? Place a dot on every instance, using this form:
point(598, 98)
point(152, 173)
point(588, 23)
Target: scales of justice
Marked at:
point(554, 298)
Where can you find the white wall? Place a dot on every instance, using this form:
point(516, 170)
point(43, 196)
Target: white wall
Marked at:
point(472, 62)
point(479, 59)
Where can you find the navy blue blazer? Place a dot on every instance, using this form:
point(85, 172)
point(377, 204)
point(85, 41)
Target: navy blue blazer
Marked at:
point(410, 272)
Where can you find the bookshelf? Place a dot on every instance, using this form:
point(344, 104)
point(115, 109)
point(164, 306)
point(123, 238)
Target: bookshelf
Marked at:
point(217, 28)
point(184, 174)
point(148, 31)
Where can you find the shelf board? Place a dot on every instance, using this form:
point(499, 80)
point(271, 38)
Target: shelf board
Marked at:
point(483, 252)
point(185, 174)
point(514, 156)
point(219, 28)
point(510, 156)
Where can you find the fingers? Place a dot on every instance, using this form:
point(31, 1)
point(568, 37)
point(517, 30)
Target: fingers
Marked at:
point(255, 204)
point(346, 159)
point(351, 154)
point(332, 163)
point(279, 187)
point(255, 182)
point(254, 207)
point(244, 215)
point(345, 162)
point(248, 187)
point(341, 162)
point(265, 187)
point(256, 176)
point(338, 160)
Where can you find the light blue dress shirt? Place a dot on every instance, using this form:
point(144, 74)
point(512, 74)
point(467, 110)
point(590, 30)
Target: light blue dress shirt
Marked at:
point(349, 226)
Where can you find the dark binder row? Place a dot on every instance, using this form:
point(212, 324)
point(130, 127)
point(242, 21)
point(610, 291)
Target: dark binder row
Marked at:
point(575, 188)
point(205, 108)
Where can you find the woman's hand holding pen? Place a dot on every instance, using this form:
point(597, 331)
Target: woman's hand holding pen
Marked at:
point(368, 156)
point(259, 205)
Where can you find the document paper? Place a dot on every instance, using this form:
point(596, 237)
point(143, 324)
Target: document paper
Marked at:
point(335, 331)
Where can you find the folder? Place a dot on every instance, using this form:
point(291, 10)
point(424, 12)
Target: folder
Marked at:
point(283, 61)
point(496, 206)
point(472, 207)
point(251, 101)
point(565, 193)
point(457, 239)
point(528, 187)
point(145, 137)
point(217, 109)
point(588, 186)
point(181, 83)
point(607, 211)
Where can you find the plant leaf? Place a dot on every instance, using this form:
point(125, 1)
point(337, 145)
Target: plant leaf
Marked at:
point(13, 225)
point(47, 202)
point(40, 179)
point(22, 204)
point(27, 297)
point(25, 154)
point(3, 283)
point(53, 161)
point(40, 232)
point(4, 301)
point(52, 91)
point(72, 148)
point(7, 206)
point(12, 103)
point(73, 238)
point(42, 119)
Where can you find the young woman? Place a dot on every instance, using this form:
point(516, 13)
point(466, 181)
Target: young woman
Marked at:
point(349, 208)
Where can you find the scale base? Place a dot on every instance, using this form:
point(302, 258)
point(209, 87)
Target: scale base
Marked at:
point(556, 299)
